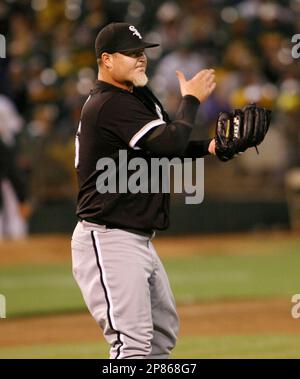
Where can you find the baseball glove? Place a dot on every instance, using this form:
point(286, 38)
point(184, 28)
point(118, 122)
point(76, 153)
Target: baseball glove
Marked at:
point(238, 130)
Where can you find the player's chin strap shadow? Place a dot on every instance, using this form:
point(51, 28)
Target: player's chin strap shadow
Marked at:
point(256, 150)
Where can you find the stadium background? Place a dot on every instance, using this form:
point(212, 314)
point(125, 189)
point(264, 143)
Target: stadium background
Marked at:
point(232, 260)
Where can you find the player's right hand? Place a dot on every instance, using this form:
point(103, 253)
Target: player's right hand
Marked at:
point(200, 86)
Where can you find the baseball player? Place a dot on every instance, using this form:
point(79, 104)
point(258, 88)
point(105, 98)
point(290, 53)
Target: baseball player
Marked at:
point(10, 171)
point(121, 278)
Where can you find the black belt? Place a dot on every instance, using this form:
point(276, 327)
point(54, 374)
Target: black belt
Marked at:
point(142, 232)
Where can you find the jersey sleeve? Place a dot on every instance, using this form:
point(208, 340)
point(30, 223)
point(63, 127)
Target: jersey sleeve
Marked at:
point(172, 139)
point(128, 118)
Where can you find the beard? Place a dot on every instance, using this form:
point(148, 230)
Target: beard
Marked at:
point(140, 79)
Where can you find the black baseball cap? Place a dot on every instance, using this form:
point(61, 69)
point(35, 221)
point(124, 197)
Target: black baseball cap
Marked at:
point(118, 37)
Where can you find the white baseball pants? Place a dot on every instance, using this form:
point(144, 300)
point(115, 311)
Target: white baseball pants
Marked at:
point(126, 289)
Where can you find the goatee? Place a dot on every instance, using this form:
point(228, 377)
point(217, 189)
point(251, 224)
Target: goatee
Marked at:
point(140, 79)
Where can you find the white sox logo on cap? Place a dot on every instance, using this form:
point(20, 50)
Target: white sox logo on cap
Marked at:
point(120, 36)
point(135, 32)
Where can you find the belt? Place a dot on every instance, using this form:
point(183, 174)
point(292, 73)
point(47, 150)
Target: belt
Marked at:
point(142, 232)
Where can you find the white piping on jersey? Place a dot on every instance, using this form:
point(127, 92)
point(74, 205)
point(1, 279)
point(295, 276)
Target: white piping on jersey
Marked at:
point(111, 308)
point(158, 111)
point(145, 129)
point(77, 138)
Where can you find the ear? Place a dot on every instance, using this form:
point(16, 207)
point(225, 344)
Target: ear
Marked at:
point(107, 60)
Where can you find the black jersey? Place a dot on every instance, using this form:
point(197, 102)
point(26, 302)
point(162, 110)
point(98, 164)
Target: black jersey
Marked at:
point(114, 119)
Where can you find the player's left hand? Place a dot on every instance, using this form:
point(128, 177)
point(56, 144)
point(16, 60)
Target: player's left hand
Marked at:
point(240, 129)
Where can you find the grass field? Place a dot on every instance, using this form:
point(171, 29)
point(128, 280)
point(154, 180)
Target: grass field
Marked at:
point(188, 347)
point(263, 271)
point(39, 289)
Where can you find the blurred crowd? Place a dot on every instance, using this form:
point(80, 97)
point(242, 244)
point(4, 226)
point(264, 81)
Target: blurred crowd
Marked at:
point(51, 67)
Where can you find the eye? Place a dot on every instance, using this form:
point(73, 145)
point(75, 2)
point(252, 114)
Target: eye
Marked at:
point(133, 53)
point(136, 54)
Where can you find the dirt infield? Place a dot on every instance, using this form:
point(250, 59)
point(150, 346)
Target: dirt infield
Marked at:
point(208, 318)
point(216, 318)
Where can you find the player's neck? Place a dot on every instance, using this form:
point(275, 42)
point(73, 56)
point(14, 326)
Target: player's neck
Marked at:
point(108, 79)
